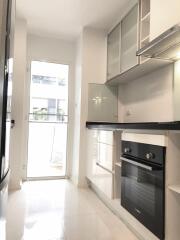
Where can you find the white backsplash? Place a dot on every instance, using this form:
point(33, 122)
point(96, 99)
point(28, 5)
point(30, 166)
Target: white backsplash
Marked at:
point(102, 103)
point(148, 99)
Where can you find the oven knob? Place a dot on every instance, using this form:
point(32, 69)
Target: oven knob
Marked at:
point(149, 156)
point(127, 150)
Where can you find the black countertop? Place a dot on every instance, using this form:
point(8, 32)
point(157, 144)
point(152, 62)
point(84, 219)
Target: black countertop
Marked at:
point(140, 125)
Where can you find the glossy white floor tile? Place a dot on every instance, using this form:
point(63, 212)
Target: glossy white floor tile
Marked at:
point(57, 210)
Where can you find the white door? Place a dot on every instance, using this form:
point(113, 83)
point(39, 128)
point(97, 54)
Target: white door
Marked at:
point(48, 119)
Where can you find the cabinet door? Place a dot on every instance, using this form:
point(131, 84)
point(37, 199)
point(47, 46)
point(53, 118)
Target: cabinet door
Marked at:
point(106, 137)
point(164, 14)
point(106, 156)
point(113, 52)
point(103, 177)
point(129, 39)
point(106, 149)
point(99, 153)
point(103, 180)
point(92, 154)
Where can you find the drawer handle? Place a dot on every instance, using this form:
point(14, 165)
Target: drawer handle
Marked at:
point(106, 169)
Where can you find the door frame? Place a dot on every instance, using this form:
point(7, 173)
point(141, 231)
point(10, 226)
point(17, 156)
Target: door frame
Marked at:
point(26, 122)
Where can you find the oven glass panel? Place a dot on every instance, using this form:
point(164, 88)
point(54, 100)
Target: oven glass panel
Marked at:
point(142, 194)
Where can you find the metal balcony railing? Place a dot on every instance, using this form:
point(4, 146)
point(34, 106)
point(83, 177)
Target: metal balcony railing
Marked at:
point(48, 118)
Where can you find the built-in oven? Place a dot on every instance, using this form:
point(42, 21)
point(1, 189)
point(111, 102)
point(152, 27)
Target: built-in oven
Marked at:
point(143, 184)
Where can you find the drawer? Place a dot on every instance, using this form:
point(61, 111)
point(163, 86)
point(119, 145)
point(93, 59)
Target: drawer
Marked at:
point(106, 137)
point(106, 156)
point(103, 180)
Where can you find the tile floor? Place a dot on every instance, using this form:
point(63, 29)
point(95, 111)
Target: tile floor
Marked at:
point(57, 210)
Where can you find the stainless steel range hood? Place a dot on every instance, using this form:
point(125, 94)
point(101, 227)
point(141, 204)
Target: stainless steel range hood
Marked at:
point(166, 46)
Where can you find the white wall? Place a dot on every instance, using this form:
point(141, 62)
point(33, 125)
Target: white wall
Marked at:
point(123, 12)
point(94, 55)
point(164, 14)
point(19, 78)
point(149, 98)
point(50, 49)
point(90, 68)
point(93, 71)
point(77, 111)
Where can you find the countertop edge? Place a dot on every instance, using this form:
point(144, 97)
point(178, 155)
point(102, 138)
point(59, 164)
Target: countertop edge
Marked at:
point(140, 125)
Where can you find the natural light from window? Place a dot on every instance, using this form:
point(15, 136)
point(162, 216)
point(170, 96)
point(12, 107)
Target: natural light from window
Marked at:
point(48, 118)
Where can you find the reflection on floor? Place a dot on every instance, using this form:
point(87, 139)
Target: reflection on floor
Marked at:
point(54, 210)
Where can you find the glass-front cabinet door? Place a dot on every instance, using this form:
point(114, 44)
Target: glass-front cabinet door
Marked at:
point(122, 44)
point(129, 40)
point(113, 52)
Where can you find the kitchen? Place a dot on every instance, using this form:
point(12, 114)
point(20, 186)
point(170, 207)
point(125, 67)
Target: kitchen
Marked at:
point(124, 111)
point(147, 103)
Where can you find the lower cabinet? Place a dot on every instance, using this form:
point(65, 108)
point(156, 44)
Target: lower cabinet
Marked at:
point(92, 153)
point(103, 181)
point(100, 161)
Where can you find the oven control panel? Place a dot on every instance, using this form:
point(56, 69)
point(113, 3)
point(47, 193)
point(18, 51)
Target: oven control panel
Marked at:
point(150, 156)
point(146, 152)
point(127, 150)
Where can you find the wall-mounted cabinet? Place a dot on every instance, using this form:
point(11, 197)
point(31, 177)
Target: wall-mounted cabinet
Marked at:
point(129, 40)
point(134, 32)
point(144, 23)
point(113, 52)
point(122, 44)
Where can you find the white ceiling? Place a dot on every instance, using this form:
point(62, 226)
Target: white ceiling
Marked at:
point(66, 18)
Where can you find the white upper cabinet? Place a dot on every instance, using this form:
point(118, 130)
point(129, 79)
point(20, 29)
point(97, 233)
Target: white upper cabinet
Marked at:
point(129, 40)
point(122, 44)
point(113, 52)
point(144, 20)
point(164, 14)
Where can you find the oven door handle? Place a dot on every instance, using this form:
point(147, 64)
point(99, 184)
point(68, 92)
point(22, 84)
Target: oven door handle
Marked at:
point(137, 164)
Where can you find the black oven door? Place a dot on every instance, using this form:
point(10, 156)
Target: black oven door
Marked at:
point(143, 194)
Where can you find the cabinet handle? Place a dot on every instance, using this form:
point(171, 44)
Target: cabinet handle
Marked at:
point(106, 169)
